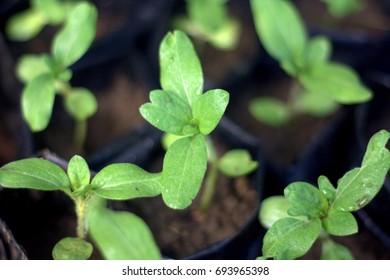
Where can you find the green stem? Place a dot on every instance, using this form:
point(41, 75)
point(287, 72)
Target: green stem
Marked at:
point(80, 135)
point(81, 211)
point(211, 178)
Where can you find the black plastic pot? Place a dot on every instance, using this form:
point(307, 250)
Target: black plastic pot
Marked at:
point(9, 248)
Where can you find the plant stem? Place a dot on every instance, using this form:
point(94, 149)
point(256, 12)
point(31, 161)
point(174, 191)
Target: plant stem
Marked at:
point(211, 177)
point(81, 210)
point(80, 135)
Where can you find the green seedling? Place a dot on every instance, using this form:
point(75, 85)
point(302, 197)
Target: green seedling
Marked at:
point(320, 84)
point(45, 75)
point(209, 21)
point(27, 24)
point(342, 8)
point(234, 164)
point(306, 213)
point(118, 235)
point(182, 109)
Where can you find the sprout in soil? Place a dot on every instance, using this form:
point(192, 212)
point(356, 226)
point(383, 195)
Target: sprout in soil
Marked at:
point(320, 85)
point(45, 75)
point(307, 213)
point(118, 235)
point(182, 109)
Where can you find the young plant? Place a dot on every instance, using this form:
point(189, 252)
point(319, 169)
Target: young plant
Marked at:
point(118, 235)
point(27, 24)
point(234, 163)
point(45, 75)
point(209, 21)
point(182, 109)
point(320, 84)
point(307, 213)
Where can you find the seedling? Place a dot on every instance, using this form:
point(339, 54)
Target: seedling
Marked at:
point(320, 84)
point(234, 163)
point(118, 235)
point(209, 21)
point(182, 109)
point(45, 75)
point(307, 213)
point(27, 24)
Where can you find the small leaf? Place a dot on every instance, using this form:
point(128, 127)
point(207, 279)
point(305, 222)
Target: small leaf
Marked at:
point(81, 104)
point(184, 167)
point(78, 172)
point(31, 66)
point(76, 36)
point(121, 235)
point(209, 20)
point(53, 10)
point(125, 181)
point(340, 223)
point(236, 163)
point(290, 238)
point(37, 102)
point(70, 248)
point(181, 72)
point(337, 81)
point(34, 173)
point(273, 209)
point(25, 25)
point(315, 104)
point(334, 251)
point(360, 185)
point(326, 188)
point(318, 50)
point(169, 113)
point(281, 31)
point(209, 108)
point(270, 111)
point(227, 37)
point(306, 200)
point(168, 139)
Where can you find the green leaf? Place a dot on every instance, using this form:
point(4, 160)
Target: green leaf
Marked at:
point(315, 104)
point(281, 31)
point(121, 235)
point(290, 238)
point(53, 11)
point(76, 36)
point(337, 81)
point(78, 172)
point(360, 185)
point(37, 102)
point(125, 181)
point(168, 139)
point(270, 111)
point(318, 50)
point(340, 223)
point(236, 163)
point(209, 108)
point(273, 209)
point(334, 251)
point(227, 37)
point(326, 188)
point(31, 66)
point(341, 8)
point(70, 248)
point(34, 173)
point(169, 113)
point(181, 72)
point(81, 104)
point(25, 25)
point(306, 200)
point(184, 167)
